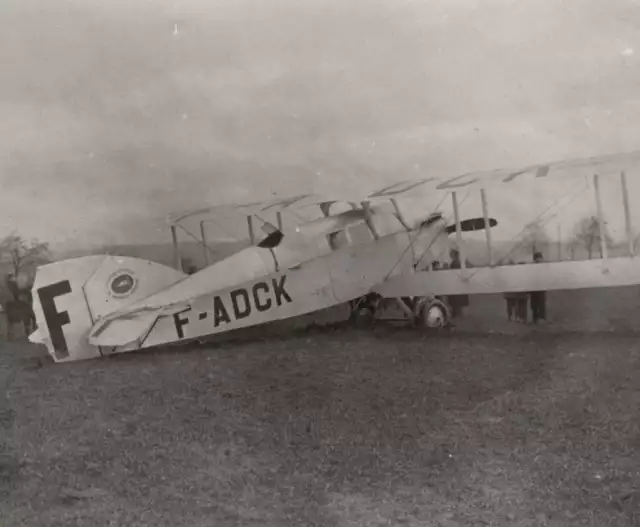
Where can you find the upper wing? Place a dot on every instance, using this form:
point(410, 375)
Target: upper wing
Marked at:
point(607, 165)
point(602, 165)
point(255, 208)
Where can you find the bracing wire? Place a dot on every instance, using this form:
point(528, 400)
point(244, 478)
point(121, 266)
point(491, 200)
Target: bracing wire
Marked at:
point(447, 220)
point(537, 219)
point(198, 240)
point(412, 241)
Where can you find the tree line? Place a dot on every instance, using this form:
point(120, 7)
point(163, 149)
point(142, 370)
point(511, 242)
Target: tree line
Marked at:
point(586, 234)
point(20, 257)
point(18, 261)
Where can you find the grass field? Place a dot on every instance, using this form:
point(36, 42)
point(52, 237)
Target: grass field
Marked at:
point(490, 425)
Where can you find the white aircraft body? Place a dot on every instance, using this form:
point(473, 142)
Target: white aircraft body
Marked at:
point(92, 306)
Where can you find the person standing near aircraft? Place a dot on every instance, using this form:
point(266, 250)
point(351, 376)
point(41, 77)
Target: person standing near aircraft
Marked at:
point(538, 298)
point(18, 306)
point(521, 301)
point(517, 303)
point(511, 300)
point(12, 286)
point(457, 302)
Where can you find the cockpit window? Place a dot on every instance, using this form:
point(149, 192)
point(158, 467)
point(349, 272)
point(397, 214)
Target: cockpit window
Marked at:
point(359, 233)
point(338, 239)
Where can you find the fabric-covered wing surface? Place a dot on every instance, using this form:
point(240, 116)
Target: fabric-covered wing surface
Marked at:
point(602, 165)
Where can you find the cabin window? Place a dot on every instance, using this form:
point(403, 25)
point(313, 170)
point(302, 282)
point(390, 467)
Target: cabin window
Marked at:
point(338, 239)
point(360, 233)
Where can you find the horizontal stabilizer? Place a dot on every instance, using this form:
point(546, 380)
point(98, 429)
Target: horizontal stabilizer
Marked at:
point(128, 328)
point(122, 331)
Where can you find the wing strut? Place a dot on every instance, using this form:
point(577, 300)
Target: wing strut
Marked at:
point(177, 262)
point(560, 253)
point(252, 234)
point(366, 206)
point(627, 214)
point(601, 228)
point(204, 243)
point(487, 230)
point(459, 241)
point(394, 202)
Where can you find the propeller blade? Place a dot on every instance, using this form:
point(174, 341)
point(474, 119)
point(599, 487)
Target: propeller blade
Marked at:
point(272, 240)
point(472, 224)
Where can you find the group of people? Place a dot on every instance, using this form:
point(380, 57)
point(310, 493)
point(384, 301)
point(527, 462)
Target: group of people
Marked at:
point(518, 303)
point(457, 303)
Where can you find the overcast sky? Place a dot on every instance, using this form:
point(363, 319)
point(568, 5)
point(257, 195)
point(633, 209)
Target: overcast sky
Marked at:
point(115, 113)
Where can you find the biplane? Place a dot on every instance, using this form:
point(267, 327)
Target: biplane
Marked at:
point(94, 306)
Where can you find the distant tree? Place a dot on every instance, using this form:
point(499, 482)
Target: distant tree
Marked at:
point(535, 237)
point(23, 256)
point(587, 234)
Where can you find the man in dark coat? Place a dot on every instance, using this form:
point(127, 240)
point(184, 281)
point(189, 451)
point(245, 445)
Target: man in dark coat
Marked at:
point(457, 302)
point(12, 286)
point(538, 298)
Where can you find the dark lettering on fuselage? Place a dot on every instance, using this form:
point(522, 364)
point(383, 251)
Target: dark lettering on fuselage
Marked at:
point(240, 303)
point(262, 304)
point(180, 321)
point(55, 319)
point(220, 313)
point(240, 310)
point(280, 291)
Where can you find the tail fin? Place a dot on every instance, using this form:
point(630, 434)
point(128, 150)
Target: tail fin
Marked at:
point(71, 295)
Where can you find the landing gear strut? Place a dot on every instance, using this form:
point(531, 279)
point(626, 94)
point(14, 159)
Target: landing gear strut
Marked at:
point(428, 312)
point(362, 311)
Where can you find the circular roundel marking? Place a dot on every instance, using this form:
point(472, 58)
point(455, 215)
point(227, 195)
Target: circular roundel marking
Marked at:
point(122, 283)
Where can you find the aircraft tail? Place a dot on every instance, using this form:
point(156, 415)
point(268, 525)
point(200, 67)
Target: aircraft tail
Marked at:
point(70, 296)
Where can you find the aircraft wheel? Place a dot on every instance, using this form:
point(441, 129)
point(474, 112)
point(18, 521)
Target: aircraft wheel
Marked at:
point(435, 315)
point(363, 310)
point(362, 317)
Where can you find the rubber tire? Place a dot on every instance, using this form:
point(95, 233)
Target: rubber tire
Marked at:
point(444, 317)
point(362, 317)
